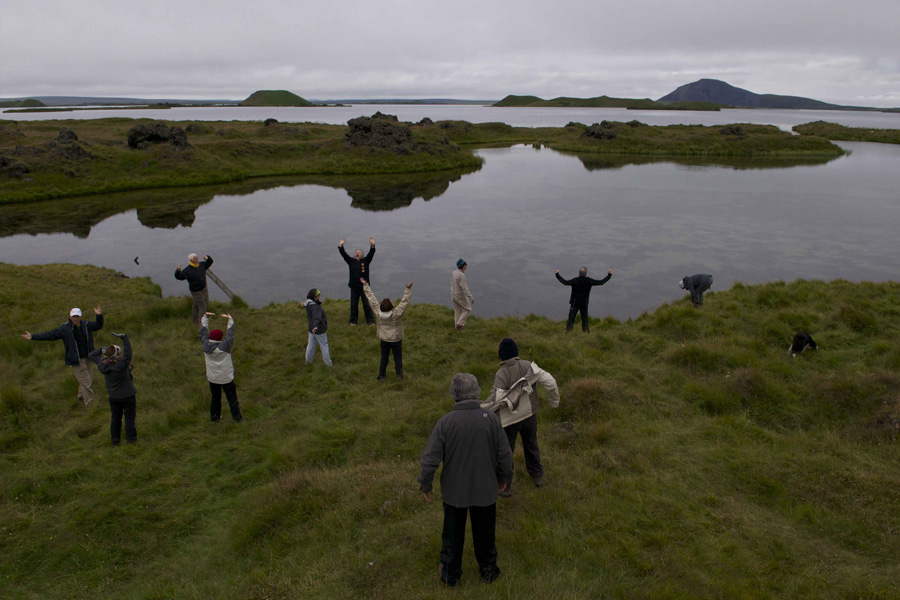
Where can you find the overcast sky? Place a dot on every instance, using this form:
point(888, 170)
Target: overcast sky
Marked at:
point(833, 50)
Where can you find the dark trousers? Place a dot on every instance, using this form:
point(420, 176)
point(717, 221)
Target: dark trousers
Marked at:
point(118, 408)
point(453, 537)
point(397, 349)
point(215, 405)
point(528, 430)
point(357, 294)
point(575, 309)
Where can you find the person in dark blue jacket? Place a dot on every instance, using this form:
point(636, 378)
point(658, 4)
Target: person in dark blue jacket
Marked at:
point(115, 364)
point(696, 285)
point(195, 274)
point(580, 296)
point(78, 343)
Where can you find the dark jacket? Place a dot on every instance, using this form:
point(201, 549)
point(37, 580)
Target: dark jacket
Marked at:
point(66, 333)
point(117, 373)
point(697, 284)
point(196, 276)
point(581, 288)
point(315, 317)
point(475, 451)
point(358, 268)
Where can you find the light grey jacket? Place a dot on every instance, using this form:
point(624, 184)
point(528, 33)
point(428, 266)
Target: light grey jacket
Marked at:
point(219, 367)
point(514, 396)
point(388, 325)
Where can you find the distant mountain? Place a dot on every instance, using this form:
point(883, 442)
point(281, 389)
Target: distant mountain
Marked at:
point(719, 92)
point(598, 102)
point(27, 103)
point(275, 98)
point(110, 101)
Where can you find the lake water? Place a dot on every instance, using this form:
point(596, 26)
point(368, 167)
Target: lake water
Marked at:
point(524, 214)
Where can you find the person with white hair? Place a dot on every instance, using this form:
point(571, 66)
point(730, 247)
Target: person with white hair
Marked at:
point(195, 274)
point(581, 296)
point(78, 343)
point(478, 463)
point(696, 285)
point(359, 267)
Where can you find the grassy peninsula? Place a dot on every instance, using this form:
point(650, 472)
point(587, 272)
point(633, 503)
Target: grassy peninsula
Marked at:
point(833, 131)
point(55, 158)
point(691, 457)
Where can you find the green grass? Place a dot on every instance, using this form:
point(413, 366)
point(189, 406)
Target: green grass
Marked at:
point(833, 131)
point(690, 457)
point(239, 150)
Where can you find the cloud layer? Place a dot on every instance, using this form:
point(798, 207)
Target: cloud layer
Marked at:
point(829, 50)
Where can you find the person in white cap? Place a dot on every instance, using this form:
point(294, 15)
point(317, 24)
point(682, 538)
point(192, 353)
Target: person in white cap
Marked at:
point(78, 342)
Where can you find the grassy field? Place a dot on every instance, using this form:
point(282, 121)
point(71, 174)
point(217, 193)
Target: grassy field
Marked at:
point(100, 162)
point(833, 131)
point(222, 152)
point(690, 457)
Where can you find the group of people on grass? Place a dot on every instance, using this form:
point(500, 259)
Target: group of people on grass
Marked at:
point(474, 442)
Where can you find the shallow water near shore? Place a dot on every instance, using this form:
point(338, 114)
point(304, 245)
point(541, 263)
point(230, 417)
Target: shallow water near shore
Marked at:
point(525, 213)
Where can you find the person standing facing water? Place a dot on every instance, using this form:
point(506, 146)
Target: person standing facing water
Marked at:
point(477, 465)
point(359, 268)
point(580, 296)
point(195, 274)
point(460, 296)
point(389, 321)
point(78, 343)
point(219, 368)
point(115, 364)
point(317, 325)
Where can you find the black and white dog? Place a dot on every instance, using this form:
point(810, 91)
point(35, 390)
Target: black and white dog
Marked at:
point(801, 342)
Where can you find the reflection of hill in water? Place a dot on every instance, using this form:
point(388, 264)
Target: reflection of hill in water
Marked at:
point(170, 208)
point(600, 162)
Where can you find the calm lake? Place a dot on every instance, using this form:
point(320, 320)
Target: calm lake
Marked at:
point(524, 214)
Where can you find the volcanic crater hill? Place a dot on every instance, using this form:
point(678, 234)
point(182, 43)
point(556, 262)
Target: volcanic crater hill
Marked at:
point(275, 98)
point(719, 92)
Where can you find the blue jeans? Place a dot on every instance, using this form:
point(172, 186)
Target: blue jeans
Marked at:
point(322, 340)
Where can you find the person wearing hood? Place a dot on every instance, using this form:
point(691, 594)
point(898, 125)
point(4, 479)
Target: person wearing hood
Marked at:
point(389, 327)
point(580, 296)
point(514, 398)
point(317, 324)
point(195, 274)
point(696, 285)
point(219, 367)
point(78, 343)
point(460, 296)
point(115, 364)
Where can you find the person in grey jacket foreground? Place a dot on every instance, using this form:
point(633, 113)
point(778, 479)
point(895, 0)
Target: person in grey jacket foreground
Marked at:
point(219, 367)
point(477, 465)
point(317, 326)
point(115, 364)
point(696, 285)
point(78, 343)
point(514, 398)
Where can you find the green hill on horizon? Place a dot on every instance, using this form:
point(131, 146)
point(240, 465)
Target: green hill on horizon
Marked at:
point(275, 98)
point(27, 103)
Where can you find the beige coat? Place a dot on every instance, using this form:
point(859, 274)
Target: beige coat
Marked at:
point(389, 325)
point(458, 287)
point(514, 396)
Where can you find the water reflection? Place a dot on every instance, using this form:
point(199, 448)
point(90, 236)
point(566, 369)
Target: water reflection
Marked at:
point(172, 208)
point(606, 162)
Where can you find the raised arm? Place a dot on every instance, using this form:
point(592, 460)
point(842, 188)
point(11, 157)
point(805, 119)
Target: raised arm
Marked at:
point(343, 252)
point(370, 296)
point(404, 302)
point(228, 342)
point(561, 280)
point(207, 261)
point(601, 281)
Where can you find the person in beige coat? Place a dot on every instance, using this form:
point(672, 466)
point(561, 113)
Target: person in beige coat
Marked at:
point(389, 327)
point(460, 296)
point(514, 398)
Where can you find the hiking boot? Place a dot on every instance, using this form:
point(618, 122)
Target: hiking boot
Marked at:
point(490, 574)
point(215, 419)
point(380, 378)
point(507, 493)
point(400, 376)
point(352, 324)
point(87, 401)
point(538, 481)
point(444, 578)
point(116, 442)
point(370, 322)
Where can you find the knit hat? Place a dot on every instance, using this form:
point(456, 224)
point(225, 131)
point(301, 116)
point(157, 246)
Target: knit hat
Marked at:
point(312, 294)
point(75, 312)
point(508, 349)
point(460, 263)
point(216, 335)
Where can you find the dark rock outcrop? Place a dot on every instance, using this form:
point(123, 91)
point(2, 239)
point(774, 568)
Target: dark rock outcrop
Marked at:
point(141, 136)
point(635, 123)
point(732, 130)
point(605, 130)
point(380, 131)
point(425, 122)
point(268, 122)
point(197, 128)
point(66, 136)
point(12, 167)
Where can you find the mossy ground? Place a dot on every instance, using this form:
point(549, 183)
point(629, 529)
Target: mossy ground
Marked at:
point(833, 131)
point(690, 457)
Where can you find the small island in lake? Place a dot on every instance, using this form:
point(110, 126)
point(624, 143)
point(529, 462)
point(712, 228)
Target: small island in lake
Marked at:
point(275, 98)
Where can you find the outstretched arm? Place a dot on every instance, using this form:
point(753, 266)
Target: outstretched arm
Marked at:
point(561, 280)
point(370, 295)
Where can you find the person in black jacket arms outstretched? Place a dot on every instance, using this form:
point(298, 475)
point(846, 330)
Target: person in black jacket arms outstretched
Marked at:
point(115, 364)
point(359, 267)
point(78, 342)
point(581, 294)
point(195, 273)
